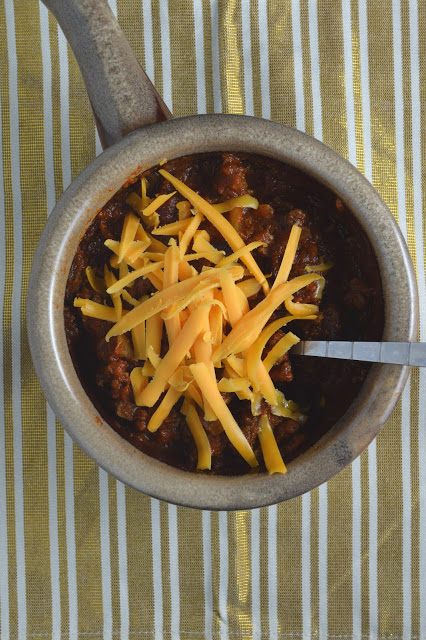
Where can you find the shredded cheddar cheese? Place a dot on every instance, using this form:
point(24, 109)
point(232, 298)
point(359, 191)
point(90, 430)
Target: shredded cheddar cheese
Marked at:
point(201, 307)
point(271, 454)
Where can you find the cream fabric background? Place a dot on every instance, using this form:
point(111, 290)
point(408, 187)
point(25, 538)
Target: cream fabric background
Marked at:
point(82, 556)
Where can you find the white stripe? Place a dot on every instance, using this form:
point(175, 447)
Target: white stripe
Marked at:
point(156, 568)
point(298, 65)
point(419, 238)
point(16, 325)
point(406, 512)
point(105, 554)
point(208, 584)
point(98, 145)
point(315, 68)
point(65, 109)
point(306, 566)
point(199, 56)
point(264, 59)
point(166, 60)
point(356, 466)
point(247, 63)
point(53, 524)
point(372, 455)
point(223, 574)
point(70, 537)
point(272, 573)
point(122, 560)
point(217, 93)
point(4, 560)
point(255, 574)
point(147, 36)
point(113, 6)
point(174, 572)
point(51, 421)
point(422, 503)
point(372, 539)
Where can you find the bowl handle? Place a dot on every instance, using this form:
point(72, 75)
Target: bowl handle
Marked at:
point(122, 96)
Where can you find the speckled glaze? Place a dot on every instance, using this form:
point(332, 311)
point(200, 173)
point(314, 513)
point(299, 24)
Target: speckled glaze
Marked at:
point(67, 223)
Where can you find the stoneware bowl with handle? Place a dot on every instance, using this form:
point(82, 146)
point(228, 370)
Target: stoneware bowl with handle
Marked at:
point(137, 130)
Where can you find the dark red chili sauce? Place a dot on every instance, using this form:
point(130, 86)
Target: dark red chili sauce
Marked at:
point(351, 307)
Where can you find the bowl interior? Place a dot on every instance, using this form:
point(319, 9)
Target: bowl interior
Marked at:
point(55, 252)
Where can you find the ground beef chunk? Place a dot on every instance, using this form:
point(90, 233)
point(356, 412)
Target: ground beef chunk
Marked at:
point(230, 181)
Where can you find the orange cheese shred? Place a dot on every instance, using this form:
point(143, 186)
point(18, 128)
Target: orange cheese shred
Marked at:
point(231, 236)
point(208, 386)
point(271, 453)
point(250, 325)
point(246, 201)
point(162, 299)
point(167, 403)
point(288, 257)
point(156, 203)
point(131, 223)
point(174, 356)
point(200, 437)
point(278, 350)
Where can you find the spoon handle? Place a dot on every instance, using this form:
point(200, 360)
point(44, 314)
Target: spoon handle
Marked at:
point(405, 353)
point(121, 94)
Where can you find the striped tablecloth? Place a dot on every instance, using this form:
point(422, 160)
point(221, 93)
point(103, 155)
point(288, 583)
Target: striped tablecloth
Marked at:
point(81, 555)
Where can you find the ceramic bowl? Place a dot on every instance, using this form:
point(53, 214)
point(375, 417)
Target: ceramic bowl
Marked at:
point(68, 222)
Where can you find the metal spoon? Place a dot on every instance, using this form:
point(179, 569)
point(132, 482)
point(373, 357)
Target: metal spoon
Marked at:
point(405, 353)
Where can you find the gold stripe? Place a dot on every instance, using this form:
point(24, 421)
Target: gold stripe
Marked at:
point(184, 78)
point(208, 56)
point(289, 567)
point(389, 474)
point(255, 57)
point(340, 568)
point(191, 568)
point(416, 402)
point(314, 562)
point(87, 540)
point(382, 106)
point(281, 66)
point(231, 55)
point(304, 28)
point(240, 574)
point(130, 17)
point(139, 551)
point(332, 78)
point(216, 627)
point(356, 67)
point(365, 543)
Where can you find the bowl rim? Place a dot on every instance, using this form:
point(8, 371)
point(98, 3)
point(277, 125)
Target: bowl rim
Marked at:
point(94, 186)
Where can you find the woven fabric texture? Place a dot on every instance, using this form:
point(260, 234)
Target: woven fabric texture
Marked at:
point(81, 555)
